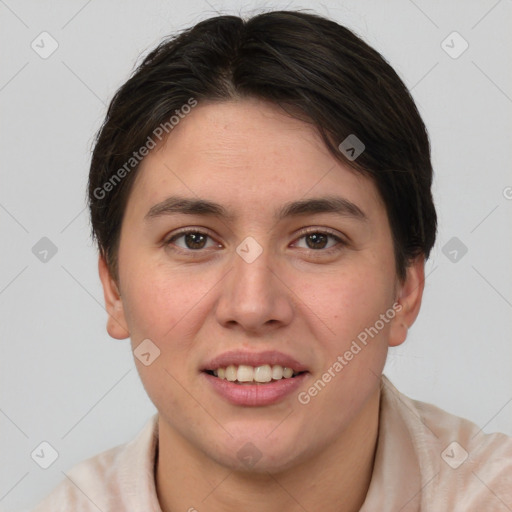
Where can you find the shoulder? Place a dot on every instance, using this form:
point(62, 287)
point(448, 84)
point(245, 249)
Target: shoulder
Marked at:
point(109, 479)
point(462, 467)
point(86, 484)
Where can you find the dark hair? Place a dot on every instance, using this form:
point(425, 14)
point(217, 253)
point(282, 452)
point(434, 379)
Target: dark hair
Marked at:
point(316, 70)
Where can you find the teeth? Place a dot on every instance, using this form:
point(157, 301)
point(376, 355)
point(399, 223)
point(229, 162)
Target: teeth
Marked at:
point(277, 372)
point(287, 373)
point(245, 373)
point(263, 373)
point(230, 373)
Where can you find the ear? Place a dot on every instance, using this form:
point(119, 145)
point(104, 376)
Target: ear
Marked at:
point(408, 301)
point(116, 323)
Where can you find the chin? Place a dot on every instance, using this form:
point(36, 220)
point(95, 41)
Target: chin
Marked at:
point(254, 452)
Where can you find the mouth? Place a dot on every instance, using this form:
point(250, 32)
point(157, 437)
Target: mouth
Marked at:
point(254, 375)
point(254, 386)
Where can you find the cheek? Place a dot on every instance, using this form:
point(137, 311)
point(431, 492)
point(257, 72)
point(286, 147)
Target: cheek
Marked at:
point(158, 301)
point(349, 301)
point(164, 306)
point(354, 346)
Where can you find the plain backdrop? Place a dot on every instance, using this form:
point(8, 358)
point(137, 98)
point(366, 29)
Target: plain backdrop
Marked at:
point(64, 381)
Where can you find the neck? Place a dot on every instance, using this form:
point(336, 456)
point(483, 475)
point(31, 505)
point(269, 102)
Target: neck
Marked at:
point(333, 480)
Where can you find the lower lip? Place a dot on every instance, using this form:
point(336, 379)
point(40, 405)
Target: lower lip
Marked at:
point(255, 394)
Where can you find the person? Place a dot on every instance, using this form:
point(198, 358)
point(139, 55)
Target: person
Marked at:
point(260, 192)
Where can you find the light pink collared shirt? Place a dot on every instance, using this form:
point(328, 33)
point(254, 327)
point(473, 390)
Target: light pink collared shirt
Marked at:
point(426, 460)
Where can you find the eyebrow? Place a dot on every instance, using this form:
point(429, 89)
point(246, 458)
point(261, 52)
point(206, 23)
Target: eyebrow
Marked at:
point(328, 204)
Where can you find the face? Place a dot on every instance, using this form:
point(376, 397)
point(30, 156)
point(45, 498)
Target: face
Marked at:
point(290, 263)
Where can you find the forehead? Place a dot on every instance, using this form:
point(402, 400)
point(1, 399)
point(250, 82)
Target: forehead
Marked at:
point(249, 154)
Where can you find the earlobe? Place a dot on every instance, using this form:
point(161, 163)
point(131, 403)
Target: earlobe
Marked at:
point(116, 322)
point(409, 296)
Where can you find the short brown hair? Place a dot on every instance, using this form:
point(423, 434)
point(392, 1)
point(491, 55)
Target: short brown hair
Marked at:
point(313, 68)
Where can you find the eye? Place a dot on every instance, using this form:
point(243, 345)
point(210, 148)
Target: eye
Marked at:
point(193, 240)
point(318, 240)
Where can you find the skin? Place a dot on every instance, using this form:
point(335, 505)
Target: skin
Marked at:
point(297, 298)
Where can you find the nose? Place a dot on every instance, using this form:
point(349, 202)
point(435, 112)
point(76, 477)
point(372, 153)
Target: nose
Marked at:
point(254, 296)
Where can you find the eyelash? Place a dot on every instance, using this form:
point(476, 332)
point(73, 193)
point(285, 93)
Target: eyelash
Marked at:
point(331, 250)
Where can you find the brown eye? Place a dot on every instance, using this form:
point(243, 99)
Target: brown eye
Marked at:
point(191, 240)
point(318, 240)
point(195, 240)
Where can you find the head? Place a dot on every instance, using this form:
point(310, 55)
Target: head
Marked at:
point(240, 132)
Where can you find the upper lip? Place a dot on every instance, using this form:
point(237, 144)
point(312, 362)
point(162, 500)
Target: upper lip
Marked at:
point(238, 357)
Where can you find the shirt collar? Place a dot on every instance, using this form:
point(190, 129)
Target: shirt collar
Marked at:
point(396, 478)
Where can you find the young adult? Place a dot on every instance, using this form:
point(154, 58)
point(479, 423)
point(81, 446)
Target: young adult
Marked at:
point(261, 196)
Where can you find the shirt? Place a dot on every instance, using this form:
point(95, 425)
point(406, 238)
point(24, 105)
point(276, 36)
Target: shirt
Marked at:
point(426, 460)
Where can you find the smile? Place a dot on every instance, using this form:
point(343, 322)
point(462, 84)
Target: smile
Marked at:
point(243, 374)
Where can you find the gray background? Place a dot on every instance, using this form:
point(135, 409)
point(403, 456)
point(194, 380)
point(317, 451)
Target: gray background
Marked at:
point(63, 380)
